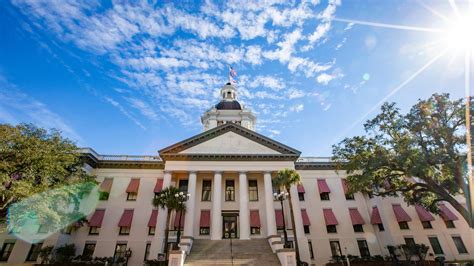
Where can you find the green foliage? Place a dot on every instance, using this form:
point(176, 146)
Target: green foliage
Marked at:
point(35, 160)
point(286, 178)
point(418, 155)
point(45, 254)
point(65, 253)
point(167, 199)
point(414, 250)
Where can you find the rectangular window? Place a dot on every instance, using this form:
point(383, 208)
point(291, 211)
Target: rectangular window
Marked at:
point(34, 252)
point(124, 230)
point(358, 228)
point(229, 190)
point(427, 225)
point(381, 228)
point(88, 251)
point(147, 251)
point(324, 196)
point(132, 196)
point(43, 229)
point(301, 196)
point(331, 228)
point(335, 248)
point(363, 248)
point(459, 244)
point(403, 225)
point(410, 241)
point(253, 190)
point(311, 252)
point(151, 230)
point(435, 245)
point(67, 230)
point(204, 231)
point(120, 250)
point(349, 196)
point(94, 230)
point(449, 224)
point(206, 190)
point(6, 251)
point(306, 229)
point(183, 185)
point(255, 230)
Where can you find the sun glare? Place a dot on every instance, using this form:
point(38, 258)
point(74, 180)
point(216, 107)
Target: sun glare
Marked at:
point(460, 36)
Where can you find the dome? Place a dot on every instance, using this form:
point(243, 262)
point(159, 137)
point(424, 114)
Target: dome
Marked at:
point(229, 105)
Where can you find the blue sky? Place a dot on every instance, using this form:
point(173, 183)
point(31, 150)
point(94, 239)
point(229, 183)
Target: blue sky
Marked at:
point(128, 78)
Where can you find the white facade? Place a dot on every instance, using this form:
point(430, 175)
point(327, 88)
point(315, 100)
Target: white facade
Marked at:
point(231, 157)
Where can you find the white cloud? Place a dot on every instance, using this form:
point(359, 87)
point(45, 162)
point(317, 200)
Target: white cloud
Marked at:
point(254, 55)
point(267, 81)
point(295, 93)
point(325, 78)
point(297, 108)
point(143, 107)
point(117, 105)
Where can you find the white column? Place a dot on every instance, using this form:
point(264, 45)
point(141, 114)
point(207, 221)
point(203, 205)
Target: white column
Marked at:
point(190, 206)
point(244, 207)
point(302, 239)
point(158, 240)
point(216, 215)
point(270, 211)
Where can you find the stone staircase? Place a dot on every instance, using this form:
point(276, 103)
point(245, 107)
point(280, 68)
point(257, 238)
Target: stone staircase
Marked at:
point(242, 252)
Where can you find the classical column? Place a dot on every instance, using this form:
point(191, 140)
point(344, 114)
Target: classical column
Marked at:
point(158, 241)
point(190, 205)
point(270, 211)
point(216, 226)
point(302, 240)
point(244, 207)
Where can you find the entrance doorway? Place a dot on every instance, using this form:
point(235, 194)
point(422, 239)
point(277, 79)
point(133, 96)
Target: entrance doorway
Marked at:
point(229, 228)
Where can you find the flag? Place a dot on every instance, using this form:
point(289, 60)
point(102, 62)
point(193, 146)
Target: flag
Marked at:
point(232, 72)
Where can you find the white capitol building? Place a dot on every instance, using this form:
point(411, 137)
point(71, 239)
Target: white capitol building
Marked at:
point(227, 170)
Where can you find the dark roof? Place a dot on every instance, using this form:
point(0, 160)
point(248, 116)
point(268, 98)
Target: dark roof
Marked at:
point(225, 105)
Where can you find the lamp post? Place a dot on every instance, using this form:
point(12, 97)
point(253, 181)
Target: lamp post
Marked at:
point(182, 198)
point(281, 197)
point(128, 254)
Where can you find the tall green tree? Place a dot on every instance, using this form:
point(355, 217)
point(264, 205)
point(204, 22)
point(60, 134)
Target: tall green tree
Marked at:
point(34, 161)
point(420, 155)
point(168, 199)
point(284, 180)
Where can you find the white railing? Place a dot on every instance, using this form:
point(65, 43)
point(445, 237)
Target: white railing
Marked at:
point(143, 158)
point(314, 160)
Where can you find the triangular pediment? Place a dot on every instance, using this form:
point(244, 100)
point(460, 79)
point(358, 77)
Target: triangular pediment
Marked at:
point(226, 142)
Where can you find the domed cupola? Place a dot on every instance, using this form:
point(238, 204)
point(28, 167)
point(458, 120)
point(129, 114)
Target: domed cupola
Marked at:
point(228, 110)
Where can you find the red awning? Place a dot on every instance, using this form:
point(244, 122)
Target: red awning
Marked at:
point(176, 219)
point(344, 186)
point(300, 188)
point(96, 218)
point(279, 218)
point(304, 216)
point(153, 218)
point(446, 213)
point(323, 186)
point(106, 185)
point(329, 217)
point(356, 218)
point(423, 214)
point(400, 213)
point(254, 218)
point(158, 186)
point(375, 217)
point(126, 219)
point(205, 218)
point(133, 185)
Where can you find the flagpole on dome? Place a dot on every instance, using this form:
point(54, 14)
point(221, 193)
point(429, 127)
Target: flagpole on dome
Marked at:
point(232, 74)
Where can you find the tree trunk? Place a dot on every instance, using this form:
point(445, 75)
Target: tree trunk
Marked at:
point(449, 198)
point(297, 251)
point(167, 226)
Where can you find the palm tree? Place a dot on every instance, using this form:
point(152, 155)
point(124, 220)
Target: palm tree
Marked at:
point(166, 199)
point(285, 179)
